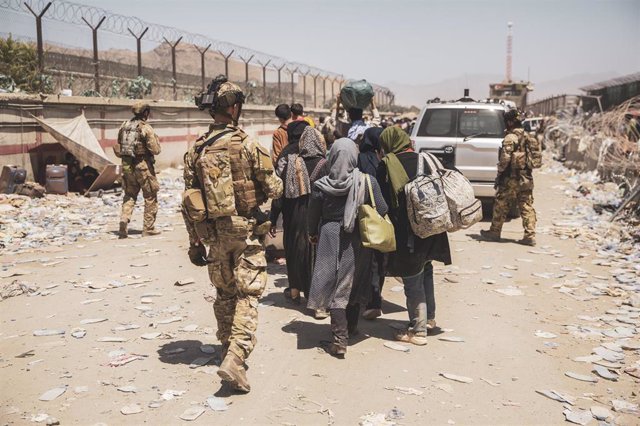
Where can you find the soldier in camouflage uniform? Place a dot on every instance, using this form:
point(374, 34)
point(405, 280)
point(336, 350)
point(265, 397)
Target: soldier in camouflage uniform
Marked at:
point(137, 145)
point(513, 183)
point(236, 260)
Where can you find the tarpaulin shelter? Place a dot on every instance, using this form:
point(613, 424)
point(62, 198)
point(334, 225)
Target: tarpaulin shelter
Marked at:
point(76, 136)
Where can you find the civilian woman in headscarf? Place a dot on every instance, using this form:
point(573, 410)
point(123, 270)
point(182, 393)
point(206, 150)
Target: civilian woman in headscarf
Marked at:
point(370, 266)
point(412, 259)
point(332, 222)
point(291, 167)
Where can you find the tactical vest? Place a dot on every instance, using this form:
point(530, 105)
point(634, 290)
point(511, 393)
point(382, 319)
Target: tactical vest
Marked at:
point(131, 143)
point(226, 178)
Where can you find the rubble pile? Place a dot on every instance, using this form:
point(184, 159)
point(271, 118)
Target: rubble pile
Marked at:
point(607, 142)
point(28, 224)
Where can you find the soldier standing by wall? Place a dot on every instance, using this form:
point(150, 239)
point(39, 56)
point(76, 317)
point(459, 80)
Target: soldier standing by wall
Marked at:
point(137, 145)
point(518, 157)
point(227, 177)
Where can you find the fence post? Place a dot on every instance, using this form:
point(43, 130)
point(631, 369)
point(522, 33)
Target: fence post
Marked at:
point(226, 62)
point(39, 34)
point(96, 64)
point(264, 80)
point(304, 88)
point(293, 98)
point(173, 66)
point(139, 47)
point(280, 82)
point(202, 52)
point(246, 67)
point(315, 97)
point(324, 91)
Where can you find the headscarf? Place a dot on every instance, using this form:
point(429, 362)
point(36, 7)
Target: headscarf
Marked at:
point(394, 141)
point(294, 131)
point(344, 178)
point(312, 144)
point(297, 181)
point(369, 147)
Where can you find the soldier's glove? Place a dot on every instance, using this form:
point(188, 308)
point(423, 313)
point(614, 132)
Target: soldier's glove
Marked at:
point(198, 254)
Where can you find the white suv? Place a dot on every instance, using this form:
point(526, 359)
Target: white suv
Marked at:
point(464, 134)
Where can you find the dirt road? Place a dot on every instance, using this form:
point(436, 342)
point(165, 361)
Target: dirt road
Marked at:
point(124, 290)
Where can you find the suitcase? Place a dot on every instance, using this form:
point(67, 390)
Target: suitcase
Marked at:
point(57, 181)
point(10, 177)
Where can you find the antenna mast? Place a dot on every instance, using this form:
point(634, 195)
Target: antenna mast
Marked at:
point(509, 50)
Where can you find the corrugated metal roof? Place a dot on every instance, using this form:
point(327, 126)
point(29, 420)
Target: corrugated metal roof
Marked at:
point(613, 82)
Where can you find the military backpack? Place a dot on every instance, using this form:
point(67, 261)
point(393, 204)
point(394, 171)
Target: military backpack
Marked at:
point(528, 153)
point(131, 143)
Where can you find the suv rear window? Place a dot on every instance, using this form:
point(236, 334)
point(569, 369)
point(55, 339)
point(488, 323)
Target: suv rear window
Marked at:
point(454, 122)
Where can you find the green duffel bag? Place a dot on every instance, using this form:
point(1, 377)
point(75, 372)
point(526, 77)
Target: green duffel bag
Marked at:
point(356, 94)
point(376, 232)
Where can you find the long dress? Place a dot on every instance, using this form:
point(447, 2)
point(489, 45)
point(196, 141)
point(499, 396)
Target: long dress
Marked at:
point(333, 285)
point(299, 253)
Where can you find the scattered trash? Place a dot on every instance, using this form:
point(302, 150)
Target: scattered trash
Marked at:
point(600, 413)
point(199, 362)
point(558, 396)
point(119, 358)
point(545, 334)
point(78, 333)
point(406, 391)
point(396, 346)
point(510, 291)
point(169, 394)
point(579, 417)
point(451, 339)
point(17, 288)
point(127, 389)
point(52, 394)
point(92, 321)
point(581, 377)
point(192, 413)
point(456, 378)
point(131, 409)
point(45, 332)
point(208, 349)
point(605, 373)
point(217, 404)
point(185, 281)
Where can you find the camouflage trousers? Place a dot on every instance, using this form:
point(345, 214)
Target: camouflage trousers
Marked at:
point(238, 271)
point(136, 177)
point(509, 191)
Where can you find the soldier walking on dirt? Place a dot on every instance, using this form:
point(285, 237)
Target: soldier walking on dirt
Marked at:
point(137, 145)
point(227, 177)
point(517, 158)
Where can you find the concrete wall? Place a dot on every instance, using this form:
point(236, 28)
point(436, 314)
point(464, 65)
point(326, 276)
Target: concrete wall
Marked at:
point(178, 124)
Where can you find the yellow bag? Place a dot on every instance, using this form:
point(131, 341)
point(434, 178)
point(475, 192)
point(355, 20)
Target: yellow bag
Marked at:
point(376, 232)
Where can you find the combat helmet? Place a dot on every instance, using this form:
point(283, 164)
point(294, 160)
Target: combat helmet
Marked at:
point(139, 107)
point(220, 95)
point(515, 116)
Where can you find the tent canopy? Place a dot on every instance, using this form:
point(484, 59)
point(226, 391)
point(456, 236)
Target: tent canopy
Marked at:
point(76, 136)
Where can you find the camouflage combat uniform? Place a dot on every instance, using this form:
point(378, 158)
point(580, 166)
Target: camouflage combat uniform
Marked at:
point(236, 261)
point(138, 173)
point(513, 185)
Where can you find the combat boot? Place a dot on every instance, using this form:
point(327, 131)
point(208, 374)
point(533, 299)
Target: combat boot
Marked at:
point(528, 241)
point(122, 232)
point(150, 232)
point(232, 371)
point(489, 235)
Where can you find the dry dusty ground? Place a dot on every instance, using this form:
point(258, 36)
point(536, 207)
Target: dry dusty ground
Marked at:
point(292, 381)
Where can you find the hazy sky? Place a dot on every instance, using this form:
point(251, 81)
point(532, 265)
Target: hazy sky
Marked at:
point(410, 41)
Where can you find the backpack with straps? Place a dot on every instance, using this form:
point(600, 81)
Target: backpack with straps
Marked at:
point(528, 153)
point(427, 206)
point(464, 207)
point(131, 139)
